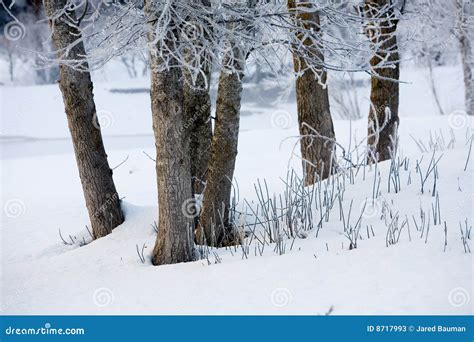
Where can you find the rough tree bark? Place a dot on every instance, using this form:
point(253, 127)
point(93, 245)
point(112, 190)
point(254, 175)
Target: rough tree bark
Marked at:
point(197, 107)
point(384, 94)
point(102, 200)
point(465, 35)
point(312, 101)
point(174, 242)
point(214, 227)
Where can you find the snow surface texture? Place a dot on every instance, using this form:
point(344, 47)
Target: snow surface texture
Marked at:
point(409, 270)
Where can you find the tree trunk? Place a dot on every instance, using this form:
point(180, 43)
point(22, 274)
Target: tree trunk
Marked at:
point(434, 91)
point(102, 200)
point(468, 66)
point(465, 38)
point(174, 242)
point(197, 104)
point(214, 227)
point(197, 107)
point(317, 144)
point(384, 95)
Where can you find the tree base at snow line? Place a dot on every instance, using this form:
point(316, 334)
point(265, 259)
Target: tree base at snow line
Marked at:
point(102, 200)
point(312, 99)
point(165, 256)
point(382, 144)
point(221, 167)
point(230, 238)
point(174, 242)
point(174, 239)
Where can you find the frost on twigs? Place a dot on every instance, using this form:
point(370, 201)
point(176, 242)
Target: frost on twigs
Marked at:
point(190, 34)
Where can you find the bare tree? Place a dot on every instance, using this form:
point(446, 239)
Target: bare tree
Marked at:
point(102, 200)
point(214, 227)
point(174, 241)
point(312, 96)
point(232, 30)
point(384, 96)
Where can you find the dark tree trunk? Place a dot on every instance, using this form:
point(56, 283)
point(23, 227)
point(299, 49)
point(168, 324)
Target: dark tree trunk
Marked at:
point(197, 106)
point(384, 95)
point(102, 200)
point(317, 142)
point(215, 228)
point(174, 242)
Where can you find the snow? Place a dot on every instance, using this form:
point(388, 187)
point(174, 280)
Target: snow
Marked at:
point(41, 194)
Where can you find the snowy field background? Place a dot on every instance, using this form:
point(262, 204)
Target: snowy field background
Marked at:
point(41, 194)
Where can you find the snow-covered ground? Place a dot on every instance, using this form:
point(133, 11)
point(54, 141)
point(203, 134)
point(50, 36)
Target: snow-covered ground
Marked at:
point(41, 194)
